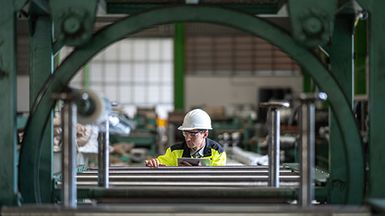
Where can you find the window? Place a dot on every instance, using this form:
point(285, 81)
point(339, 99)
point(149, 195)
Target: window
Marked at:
point(134, 73)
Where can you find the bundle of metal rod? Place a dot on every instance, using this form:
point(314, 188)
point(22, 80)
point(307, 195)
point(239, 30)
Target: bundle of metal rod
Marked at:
point(242, 184)
point(188, 177)
point(188, 180)
point(190, 170)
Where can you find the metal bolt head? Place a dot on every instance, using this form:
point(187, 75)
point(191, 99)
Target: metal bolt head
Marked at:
point(71, 25)
point(312, 26)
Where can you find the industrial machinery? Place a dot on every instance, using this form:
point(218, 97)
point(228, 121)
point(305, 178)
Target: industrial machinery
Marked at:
point(316, 27)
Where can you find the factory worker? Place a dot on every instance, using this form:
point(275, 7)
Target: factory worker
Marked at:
point(195, 129)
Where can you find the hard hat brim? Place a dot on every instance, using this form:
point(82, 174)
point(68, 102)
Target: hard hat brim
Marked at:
point(194, 128)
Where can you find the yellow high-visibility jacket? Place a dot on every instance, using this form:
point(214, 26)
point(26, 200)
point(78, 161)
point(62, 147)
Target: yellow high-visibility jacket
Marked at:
point(212, 151)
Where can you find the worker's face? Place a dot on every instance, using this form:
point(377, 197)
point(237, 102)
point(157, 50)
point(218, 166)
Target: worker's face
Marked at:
point(195, 139)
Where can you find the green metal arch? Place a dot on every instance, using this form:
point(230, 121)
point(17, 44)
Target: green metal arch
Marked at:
point(30, 154)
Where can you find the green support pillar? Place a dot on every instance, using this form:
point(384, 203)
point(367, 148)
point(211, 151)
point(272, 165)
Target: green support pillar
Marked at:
point(8, 138)
point(341, 60)
point(360, 48)
point(41, 66)
point(376, 99)
point(179, 66)
point(307, 83)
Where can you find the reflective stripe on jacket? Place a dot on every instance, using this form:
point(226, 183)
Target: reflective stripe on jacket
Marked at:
point(212, 151)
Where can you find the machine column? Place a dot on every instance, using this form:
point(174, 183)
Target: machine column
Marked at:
point(274, 140)
point(69, 121)
point(103, 156)
point(307, 147)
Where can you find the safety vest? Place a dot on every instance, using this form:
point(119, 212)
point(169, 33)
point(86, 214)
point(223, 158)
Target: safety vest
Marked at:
point(212, 151)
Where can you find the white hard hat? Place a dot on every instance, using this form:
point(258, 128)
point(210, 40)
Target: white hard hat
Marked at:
point(196, 119)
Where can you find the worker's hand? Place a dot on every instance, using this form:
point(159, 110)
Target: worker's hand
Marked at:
point(153, 163)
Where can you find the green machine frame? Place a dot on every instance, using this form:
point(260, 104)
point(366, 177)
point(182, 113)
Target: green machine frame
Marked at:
point(75, 31)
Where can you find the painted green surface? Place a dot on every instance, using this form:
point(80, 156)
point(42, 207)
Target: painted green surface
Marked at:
point(376, 99)
point(360, 46)
point(41, 67)
point(8, 140)
point(179, 66)
point(307, 83)
point(341, 61)
point(74, 20)
point(312, 21)
point(267, 7)
point(254, 25)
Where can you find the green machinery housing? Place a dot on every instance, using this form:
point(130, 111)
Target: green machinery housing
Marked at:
point(325, 25)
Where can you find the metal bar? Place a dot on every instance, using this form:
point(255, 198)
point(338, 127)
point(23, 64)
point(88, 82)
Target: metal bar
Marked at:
point(253, 168)
point(8, 136)
point(218, 191)
point(360, 50)
point(274, 149)
point(376, 99)
point(187, 172)
point(40, 69)
point(274, 140)
point(156, 178)
point(69, 154)
point(342, 67)
point(251, 7)
point(307, 119)
point(103, 156)
point(186, 184)
point(191, 193)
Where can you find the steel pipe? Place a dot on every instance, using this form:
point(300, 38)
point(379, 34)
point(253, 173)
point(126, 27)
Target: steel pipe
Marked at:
point(103, 156)
point(206, 178)
point(68, 118)
point(274, 140)
point(187, 172)
point(187, 168)
point(88, 184)
point(307, 149)
point(192, 194)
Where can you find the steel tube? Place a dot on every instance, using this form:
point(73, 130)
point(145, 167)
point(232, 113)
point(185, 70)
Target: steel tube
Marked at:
point(259, 167)
point(187, 172)
point(307, 157)
point(103, 156)
point(213, 178)
point(274, 149)
point(187, 183)
point(274, 140)
point(68, 118)
point(191, 193)
point(282, 174)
